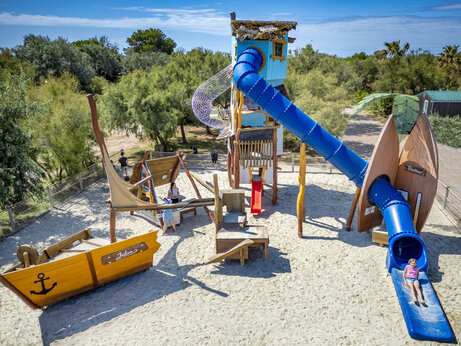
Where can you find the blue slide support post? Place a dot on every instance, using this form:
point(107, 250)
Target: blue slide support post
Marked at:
point(404, 242)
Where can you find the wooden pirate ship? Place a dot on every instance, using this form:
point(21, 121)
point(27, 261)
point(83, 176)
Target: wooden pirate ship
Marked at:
point(75, 265)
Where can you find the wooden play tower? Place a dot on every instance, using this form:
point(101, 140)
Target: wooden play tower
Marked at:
point(257, 139)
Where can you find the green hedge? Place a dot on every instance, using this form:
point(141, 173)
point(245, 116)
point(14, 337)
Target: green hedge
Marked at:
point(447, 130)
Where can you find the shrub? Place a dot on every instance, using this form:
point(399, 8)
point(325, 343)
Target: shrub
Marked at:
point(447, 130)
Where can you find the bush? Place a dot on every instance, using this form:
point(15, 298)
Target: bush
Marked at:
point(447, 130)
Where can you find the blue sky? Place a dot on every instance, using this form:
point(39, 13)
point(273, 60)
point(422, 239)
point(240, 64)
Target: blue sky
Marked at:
point(331, 26)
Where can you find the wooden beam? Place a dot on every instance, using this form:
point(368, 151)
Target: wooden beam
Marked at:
point(300, 205)
point(274, 169)
point(201, 182)
point(352, 211)
point(112, 222)
point(197, 192)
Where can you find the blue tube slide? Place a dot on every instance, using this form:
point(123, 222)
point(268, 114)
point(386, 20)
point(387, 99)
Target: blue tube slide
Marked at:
point(404, 242)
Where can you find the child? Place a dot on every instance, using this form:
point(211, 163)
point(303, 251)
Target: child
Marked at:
point(167, 216)
point(410, 277)
point(173, 192)
point(123, 164)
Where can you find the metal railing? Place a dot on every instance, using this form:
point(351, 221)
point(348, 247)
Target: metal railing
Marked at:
point(449, 202)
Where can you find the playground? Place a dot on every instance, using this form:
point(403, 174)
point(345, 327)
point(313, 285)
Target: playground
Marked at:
point(307, 270)
point(331, 285)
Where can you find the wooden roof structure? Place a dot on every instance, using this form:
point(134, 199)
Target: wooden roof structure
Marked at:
point(261, 30)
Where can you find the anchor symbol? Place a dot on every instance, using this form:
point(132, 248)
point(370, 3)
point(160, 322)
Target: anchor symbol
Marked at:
point(41, 279)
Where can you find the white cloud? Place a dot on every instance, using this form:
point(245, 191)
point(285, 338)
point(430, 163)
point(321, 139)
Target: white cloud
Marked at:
point(203, 21)
point(347, 37)
point(455, 6)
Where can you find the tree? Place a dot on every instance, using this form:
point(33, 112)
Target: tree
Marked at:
point(144, 61)
point(20, 176)
point(450, 62)
point(55, 57)
point(150, 40)
point(10, 64)
point(141, 104)
point(393, 50)
point(104, 57)
point(62, 132)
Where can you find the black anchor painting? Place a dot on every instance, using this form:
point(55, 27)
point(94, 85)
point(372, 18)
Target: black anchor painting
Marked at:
point(41, 279)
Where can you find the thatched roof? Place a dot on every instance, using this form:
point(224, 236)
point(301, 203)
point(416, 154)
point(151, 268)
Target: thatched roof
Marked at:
point(261, 30)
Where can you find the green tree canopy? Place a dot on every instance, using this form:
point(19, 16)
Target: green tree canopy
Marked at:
point(63, 134)
point(55, 57)
point(150, 40)
point(20, 176)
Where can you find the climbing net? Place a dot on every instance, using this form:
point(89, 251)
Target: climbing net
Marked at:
point(202, 101)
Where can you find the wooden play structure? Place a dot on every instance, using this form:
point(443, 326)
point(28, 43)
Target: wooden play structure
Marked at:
point(257, 139)
point(233, 235)
point(123, 195)
point(150, 174)
point(413, 171)
point(75, 265)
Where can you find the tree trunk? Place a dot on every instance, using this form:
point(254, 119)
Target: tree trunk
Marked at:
point(208, 131)
point(183, 133)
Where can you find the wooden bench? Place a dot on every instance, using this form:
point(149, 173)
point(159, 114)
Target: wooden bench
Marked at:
point(184, 211)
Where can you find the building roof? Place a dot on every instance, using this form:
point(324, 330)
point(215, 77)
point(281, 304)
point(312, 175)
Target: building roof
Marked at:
point(260, 30)
point(445, 95)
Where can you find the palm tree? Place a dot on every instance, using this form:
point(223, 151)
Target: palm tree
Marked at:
point(393, 49)
point(450, 56)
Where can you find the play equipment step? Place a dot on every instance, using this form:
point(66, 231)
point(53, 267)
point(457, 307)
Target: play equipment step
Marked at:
point(235, 218)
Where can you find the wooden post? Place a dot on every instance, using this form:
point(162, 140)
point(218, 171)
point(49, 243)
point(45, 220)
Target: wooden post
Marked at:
point(352, 211)
point(193, 184)
point(274, 168)
point(229, 169)
point(10, 215)
point(292, 162)
point(50, 199)
point(236, 165)
point(80, 181)
point(445, 200)
point(112, 217)
point(300, 207)
point(150, 154)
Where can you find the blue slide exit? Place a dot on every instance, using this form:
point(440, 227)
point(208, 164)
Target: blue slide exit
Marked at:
point(404, 242)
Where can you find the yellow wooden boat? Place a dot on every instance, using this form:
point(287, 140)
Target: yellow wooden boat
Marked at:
point(76, 264)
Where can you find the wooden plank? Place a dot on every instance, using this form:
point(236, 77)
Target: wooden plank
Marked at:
point(202, 182)
point(384, 161)
point(418, 170)
point(380, 237)
point(233, 200)
point(223, 255)
point(54, 249)
point(300, 204)
point(235, 218)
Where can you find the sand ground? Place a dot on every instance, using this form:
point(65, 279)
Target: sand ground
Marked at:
point(331, 287)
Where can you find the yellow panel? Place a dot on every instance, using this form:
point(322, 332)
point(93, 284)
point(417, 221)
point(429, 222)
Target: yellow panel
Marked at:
point(124, 257)
point(65, 277)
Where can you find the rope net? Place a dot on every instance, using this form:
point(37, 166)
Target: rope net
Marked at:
point(202, 101)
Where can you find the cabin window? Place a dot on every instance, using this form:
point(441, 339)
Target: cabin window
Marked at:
point(277, 50)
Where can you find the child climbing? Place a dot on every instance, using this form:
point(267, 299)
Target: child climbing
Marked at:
point(173, 192)
point(410, 277)
point(167, 216)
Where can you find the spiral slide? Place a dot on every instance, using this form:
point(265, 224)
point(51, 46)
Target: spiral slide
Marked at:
point(404, 242)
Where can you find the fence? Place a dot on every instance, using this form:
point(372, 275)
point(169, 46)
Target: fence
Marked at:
point(449, 203)
point(23, 212)
point(16, 216)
